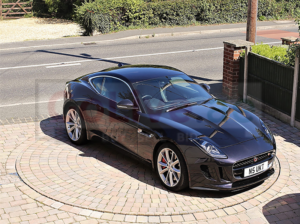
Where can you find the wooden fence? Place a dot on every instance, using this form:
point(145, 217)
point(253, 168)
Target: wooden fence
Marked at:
point(270, 82)
point(15, 10)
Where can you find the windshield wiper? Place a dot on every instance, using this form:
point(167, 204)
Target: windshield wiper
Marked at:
point(181, 106)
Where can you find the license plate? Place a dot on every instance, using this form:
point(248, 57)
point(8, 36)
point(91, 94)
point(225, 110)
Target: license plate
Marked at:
point(255, 169)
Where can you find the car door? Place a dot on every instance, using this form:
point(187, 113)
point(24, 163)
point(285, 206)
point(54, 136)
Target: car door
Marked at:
point(99, 118)
point(117, 125)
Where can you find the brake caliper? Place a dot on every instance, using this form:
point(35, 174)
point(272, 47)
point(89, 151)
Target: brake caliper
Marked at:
point(164, 161)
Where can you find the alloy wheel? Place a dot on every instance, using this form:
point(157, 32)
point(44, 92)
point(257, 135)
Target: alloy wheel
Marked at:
point(73, 124)
point(168, 166)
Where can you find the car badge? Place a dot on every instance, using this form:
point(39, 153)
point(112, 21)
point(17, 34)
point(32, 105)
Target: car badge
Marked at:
point(255, 159)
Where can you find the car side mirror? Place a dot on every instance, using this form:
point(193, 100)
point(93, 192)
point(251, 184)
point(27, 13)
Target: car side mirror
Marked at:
point(205, 86)
point(126, 104)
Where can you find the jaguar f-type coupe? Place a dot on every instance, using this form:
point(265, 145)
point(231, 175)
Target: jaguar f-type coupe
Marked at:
point(164, 117)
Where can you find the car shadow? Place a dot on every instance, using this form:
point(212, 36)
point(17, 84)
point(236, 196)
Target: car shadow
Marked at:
point(83, 56)
point(119, 159)
point(285, 209)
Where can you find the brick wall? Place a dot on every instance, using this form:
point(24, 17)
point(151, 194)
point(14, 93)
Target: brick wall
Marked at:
point(231, 68)
point(290, 40)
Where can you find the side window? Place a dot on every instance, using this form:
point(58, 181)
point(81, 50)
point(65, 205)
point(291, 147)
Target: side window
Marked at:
point(116, 90)
point(97, 83)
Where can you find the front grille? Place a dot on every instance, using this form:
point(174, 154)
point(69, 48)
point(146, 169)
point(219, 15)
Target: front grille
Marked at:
point(250, 161)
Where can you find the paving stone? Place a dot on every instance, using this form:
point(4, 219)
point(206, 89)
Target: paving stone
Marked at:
point(154, 219)
point(130, 218)
point(141, 219)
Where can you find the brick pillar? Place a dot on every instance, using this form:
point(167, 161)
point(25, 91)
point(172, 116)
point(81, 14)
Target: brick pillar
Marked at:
point(231, 66)
point(290, 40)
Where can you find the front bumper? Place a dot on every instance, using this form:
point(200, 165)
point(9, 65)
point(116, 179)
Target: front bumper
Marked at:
point(239, 184)
point(225, 176)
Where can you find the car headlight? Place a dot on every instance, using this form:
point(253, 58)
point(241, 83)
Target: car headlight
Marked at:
point(208, 148)
point(267, 130)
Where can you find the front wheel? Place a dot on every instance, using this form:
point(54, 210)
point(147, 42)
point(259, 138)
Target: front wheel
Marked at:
point(75, 126)
point(171, 168)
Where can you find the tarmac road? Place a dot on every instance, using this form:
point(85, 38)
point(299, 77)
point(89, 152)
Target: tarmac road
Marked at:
point(32, 78)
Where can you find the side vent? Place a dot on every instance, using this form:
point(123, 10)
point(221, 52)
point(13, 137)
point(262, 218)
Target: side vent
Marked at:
point(205, 171)
point(216, 109)
point(192, 115)
point(223, 174)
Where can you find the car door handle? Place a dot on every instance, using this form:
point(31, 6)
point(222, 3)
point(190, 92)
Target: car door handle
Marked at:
point(140, 131)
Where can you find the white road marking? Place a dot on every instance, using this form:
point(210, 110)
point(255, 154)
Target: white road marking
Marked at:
point(99, 59)
point(121, 57)
point(113, 58)
point(30, 103)
point(52, 45)
point(62, 65)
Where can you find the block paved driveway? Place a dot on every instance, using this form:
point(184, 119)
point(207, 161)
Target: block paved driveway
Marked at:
point(45, 179)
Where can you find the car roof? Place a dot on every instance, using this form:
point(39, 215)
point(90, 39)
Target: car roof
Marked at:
point(138, 73)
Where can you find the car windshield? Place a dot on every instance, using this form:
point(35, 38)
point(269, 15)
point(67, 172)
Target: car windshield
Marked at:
point(166, 92)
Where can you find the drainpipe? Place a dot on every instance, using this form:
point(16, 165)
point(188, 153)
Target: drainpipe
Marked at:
point(247, 50)
point(295, 88)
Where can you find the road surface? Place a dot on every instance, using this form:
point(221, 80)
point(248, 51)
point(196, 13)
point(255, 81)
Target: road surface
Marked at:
point(33, 78)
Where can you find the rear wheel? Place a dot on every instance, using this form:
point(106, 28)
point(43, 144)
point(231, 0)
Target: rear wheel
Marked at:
point(75, 125)
point(171, 167)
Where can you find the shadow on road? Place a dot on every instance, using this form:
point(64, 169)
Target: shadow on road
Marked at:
point(82, 55)
point(216, 88)
point(285, 208)
point(119, 159)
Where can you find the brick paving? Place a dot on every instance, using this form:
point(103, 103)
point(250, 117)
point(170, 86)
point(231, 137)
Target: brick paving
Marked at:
point(45, 179)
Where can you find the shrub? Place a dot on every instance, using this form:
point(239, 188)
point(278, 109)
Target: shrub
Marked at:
point(211, 11)
point(262, 18)
point(117, 14)
point(29, 15)
point(283, 53)
point(277, 53)
point(55, 8)
point(105, 16)
point(291, 53)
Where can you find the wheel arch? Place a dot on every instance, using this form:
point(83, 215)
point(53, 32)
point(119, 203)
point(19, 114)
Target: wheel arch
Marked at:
point(164, 141)
point(70, 102)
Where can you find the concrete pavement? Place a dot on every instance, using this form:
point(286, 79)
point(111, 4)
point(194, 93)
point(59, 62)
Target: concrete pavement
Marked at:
point(155, 32)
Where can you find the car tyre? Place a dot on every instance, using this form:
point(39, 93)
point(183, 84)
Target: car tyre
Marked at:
point(75, 125)
point(171, 167)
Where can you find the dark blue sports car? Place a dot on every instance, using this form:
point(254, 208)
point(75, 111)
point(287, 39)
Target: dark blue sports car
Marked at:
point(165, 118)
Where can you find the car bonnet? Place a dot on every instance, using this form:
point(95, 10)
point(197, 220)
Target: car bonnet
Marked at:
point(217, 121)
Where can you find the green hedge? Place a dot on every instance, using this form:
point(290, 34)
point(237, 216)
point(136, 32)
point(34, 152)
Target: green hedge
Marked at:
point(174, 12)
point(110, 15)
point(282, 53)
point(55, 8)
